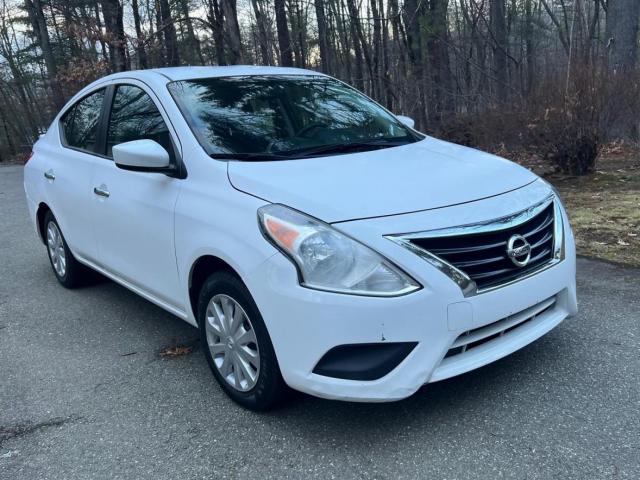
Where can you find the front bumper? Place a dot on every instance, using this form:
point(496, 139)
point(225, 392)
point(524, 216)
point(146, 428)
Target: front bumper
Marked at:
point(305, 324)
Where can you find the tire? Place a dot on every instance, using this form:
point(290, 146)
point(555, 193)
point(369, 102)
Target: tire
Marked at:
point(244, 353)
point(72, 274)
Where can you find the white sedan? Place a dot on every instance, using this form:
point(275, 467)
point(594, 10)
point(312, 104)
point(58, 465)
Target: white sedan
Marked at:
point(315, 239)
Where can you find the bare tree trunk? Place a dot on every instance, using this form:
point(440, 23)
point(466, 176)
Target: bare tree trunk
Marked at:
point(399, 48)
point(302, 34)
point(217, 24)
point(594, 27)
point(622, 34)
point(11, 105)
point(161, 45)
point(140, 50)
point(169, 31)
point(232, 30)
point(499, 33)
point(192, 43)
point(262, 32)
point(122, 37)
point(298, 28)
point(6, 133)
point(357, 48)
point(57, 39)
point(439, 55)
point(103, 46)
point(39, 24)
point(386, 67)
point(377, 51)
point(361, 37)
point(68, 27)
point(413, 13)
point(91, 51)
point(529, 46)
point(343, 68)
point(323, 36)
point(21, 85)
point(562, 28)
point(5, 136)
point(112, 12)
point(284, 40)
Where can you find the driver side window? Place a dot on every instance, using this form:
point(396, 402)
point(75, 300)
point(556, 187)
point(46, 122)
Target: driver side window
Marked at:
point(134, 116)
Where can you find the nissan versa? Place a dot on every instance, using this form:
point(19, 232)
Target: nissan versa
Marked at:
point(317, 241)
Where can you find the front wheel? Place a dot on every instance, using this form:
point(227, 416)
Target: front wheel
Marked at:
point(237, 344)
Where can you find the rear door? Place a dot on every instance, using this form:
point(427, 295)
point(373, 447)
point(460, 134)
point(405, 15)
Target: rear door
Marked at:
point(69, 169)
point(133, 212)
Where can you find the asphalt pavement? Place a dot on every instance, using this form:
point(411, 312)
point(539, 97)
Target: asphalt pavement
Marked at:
point(84, 393)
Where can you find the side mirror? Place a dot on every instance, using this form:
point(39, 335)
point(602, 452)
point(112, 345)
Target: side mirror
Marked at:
point(142, 156)
point(408, 121)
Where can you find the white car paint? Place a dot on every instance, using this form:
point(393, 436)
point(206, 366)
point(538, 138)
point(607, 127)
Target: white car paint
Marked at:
point(408, 121)
point(151, 229)
point(419, 176)
point(141, 153)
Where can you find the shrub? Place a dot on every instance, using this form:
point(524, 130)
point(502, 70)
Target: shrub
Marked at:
point(575, 153)
point(568, 137)
point(565, 126)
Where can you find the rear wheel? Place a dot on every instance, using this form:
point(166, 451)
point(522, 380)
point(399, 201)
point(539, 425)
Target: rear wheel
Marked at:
point(236, 343)
point(69, 272)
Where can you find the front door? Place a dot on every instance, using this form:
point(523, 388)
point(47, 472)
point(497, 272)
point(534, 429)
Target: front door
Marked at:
point(133, 212)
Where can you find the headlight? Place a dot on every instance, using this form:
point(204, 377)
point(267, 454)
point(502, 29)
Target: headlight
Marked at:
point(329, 260)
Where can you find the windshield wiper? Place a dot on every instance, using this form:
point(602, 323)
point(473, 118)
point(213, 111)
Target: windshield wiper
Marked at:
point(254, 157)
point(311, 151)
point(342, 147)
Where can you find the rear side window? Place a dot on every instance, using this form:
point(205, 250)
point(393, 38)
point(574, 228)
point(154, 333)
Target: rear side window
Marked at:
point(80, 123)
point(134, 116)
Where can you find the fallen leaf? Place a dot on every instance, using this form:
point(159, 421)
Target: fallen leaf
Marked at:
point(175, 351)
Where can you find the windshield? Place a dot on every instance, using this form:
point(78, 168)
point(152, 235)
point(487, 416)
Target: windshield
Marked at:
point(274, 117)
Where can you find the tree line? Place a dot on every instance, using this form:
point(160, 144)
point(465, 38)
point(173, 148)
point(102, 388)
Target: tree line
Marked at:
point(478, 71)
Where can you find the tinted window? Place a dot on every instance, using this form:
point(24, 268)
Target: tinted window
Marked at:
point(134, 116)
point(80, 124)
point(282, 114)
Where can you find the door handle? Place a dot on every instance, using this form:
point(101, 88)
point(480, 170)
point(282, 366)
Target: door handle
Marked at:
point(101, 191)
point(49, 175)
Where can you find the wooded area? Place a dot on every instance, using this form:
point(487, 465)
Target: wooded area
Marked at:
point(555, 76)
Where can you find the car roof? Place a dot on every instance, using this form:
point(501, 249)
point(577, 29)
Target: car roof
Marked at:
point(188, 73)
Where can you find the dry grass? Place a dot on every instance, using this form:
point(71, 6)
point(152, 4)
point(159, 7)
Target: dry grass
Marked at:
point(604, 207)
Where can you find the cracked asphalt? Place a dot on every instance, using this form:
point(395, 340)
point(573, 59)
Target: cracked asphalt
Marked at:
point(85, 394)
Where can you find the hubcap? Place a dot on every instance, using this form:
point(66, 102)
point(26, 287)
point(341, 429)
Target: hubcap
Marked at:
point(232, 342)
point(55, 245)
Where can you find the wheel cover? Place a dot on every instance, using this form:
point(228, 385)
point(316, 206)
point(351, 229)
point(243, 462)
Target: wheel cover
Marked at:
point(232, 342)
point(55, 246)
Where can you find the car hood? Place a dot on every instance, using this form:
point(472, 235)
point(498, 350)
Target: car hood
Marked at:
point(424, 175)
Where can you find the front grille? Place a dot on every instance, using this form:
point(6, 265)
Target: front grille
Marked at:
point(483, 256)
point(495, 331)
